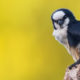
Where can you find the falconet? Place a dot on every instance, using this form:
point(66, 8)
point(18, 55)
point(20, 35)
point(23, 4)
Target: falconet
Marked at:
point(67, 32)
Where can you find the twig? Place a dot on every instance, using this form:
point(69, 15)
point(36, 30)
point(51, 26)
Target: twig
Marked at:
point(73, 74)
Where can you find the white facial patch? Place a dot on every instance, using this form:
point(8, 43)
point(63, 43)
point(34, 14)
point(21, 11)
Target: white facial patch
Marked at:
point(57, 26)
point(66, 22)
point(58, 15)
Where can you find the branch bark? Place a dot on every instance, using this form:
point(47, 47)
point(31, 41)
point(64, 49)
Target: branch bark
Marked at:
point(73, 74)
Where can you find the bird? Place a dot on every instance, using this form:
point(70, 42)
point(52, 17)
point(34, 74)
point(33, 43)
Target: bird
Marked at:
point(66, 30)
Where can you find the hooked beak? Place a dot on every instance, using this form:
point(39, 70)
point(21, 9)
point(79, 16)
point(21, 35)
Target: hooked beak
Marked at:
point(60, 22)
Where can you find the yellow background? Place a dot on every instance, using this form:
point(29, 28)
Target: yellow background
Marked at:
point(28, 51)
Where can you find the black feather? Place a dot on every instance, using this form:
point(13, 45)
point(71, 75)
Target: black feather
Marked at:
point(74, 34)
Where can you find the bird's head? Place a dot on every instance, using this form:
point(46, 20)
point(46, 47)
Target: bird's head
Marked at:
point(61, 18)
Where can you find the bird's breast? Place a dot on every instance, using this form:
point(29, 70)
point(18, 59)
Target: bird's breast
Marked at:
point(61, 35)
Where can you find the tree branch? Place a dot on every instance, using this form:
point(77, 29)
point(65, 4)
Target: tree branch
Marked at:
point(73, 74)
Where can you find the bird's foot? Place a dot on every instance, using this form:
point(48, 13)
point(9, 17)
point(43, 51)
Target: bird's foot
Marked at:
point(75, 64)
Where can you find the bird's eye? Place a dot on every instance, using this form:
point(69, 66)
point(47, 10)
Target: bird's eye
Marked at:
point(64, 17)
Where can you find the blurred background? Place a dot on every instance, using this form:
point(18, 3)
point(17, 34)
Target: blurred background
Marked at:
point(28, 51)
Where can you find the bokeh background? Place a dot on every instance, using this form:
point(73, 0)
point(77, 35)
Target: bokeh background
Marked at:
point(28, 51)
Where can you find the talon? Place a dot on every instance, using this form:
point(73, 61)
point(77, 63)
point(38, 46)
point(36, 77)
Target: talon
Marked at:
point(70, 67)
point(75, 64)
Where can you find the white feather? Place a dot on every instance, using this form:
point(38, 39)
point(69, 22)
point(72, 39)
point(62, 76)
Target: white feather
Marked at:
point(58, 15)
point(61, 35)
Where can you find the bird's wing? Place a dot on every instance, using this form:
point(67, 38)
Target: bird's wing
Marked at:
point(74, 29)
point(74, 34)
